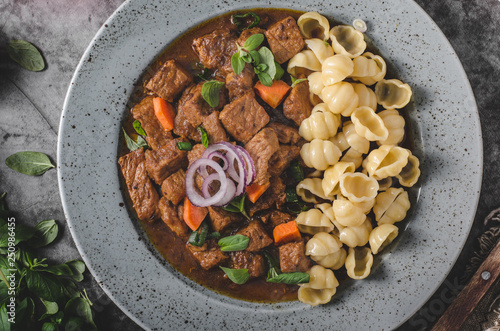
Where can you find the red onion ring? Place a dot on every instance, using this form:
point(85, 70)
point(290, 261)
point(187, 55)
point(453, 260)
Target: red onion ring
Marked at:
point(191, 192)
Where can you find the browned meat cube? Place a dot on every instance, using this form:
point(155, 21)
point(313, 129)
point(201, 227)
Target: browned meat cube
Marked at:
point(156, 135)
point(215, 49)
point(273, 197)
point(194, 107)
point(261, 148)
point(170, 217)
point(195, 153)
point(293, 257)
point(243, 118)
point(209, 255)
point(183, 128)
point(165, 161)
point(239, 85)
point(215, 131)
point(220, 219)
point(245, 34)
point(245, 260)
point(142, 193)
point(297, 106)
point(282, 158)
point(276, 217)
point(169, 81)
point(285, 39)
point(173, 188)
point(286, 134)
point(257, 235)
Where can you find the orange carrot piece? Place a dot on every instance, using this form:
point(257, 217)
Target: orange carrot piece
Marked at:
point(193, 216)
point(273, 95)
point(165, 113)
point(286, 232)
point(255, 190)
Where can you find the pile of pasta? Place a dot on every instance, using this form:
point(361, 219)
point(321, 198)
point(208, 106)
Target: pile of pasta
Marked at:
point(353, 135)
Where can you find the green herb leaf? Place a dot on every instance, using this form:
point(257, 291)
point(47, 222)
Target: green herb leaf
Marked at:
point(45, 233)
point(290, 278)
point(296, 81)
point(246, 57)
point(26, 55)
point(238, 242)
point(4, 318)
point(255, 57)
point(80, 308)
point(204, 136)
point(69, 288)
point(29, 163)
point(132, 144)
point(138, 128)
point(214, 235)
point(238, 276)
point(205, 72)
point(237, 63)
point(51, 308)
point(240, 20)
point(24, 314)
point(273, 266)
point(78, 268)
point(45, 285)
point(49, 326)
point(291, 194)
point(237, 205)
point(279, 71)
point(253, 42)
point(184, 146)
point(197, 238)
point(265, 79)
point(58, 270)
point(267, 57)
point(22, 233)
point(210, 92)
point(296, 171)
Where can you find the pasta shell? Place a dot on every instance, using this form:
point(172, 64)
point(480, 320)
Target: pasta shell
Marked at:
point(353, 156)
point(331, 179)
point(320, 48)
point(340, 141)
point(310, 190)
point(354, 236)
point(369, 68)
point(326, 250)
point(395, 124)
point(320, 124)
point(392, 93)
point(316, 82)
point(305, 59)
point(358, 187)
point(366, 96)
point(335, 69)
point(313, 25)
point(347, 214)
point(355, 140)
point(382, 236)
point(321, 287)
point(340, 98)
point(320, 154)
point(410, 173)
point(386, 161)
point(313, 221)
point(347, 40)
point(327, 210)
point(359, 262)
point(368, 124)
point(391, 206)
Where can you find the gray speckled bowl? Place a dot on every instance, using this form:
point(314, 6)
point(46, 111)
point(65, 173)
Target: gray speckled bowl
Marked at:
point(156, 296)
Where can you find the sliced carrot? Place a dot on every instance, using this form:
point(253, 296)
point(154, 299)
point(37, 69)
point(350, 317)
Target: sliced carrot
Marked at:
point(286, 232)
point(193, 216)
point(165, 113)
point(255, 190)
point(273, 95)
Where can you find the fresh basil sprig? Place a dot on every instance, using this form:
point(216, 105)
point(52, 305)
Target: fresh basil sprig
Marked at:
point(274, 274)
point(210, 92)
point(197, 238)
point(241, 19)
point(204, 136)
point(132, 144)
point(238, 276)
point(238, 242)
point(26, 55)
point(237, 205)
point(29, 163)
point(184, 146)
point(296, 81)
point(138, 128)
point(244, 54)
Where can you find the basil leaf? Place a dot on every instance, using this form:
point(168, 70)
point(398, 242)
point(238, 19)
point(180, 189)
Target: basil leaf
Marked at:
point(240, 20)
point(22, 233)
point(205, 72)
point(296, 82)
point(138, 128)
point(291, 195)
point(29, 163)
point(204, 136)
point(253, 42)
point(4, 318)
point(265, 79)
point(197, 238)
point(231, 208)
point(255, 57)
point(80, 308)
point(132, 144)
point(51, 308)
point(184, 146)
point(78, 268)
point(238, 242)
point(69, 288)
point(214, 235)
point(237, 205)
point(58, 270)
point(296, 171)
point(237, 63)
point(210, 92)
point(4, 293)
point(273, 266)
point(45, 285)
point(246, 57)
point(267, 57)
point(279, 71)
point(45, 233)
point(238, 276)
point(49, 326)
point(24, 314)
point(26, 55)
point(290, 278)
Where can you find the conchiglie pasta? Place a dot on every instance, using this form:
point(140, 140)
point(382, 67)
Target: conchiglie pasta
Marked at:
point(310, 190)
point(313, 221)
point(321, 287)
point(347, 40)
point(359, 262)
point(340, 141)
point(353, 156)
point(355, 140)
point(314, 25)
point(305, 59)
point(395, 124)
point(391, 206)
point(326, 250)
point(386, 161)
point(320, 124)
point(320, 154)
point(366, 96)
point(331, 179)
point(340, 98)
point(369, 68)
point(354, 236)
point(327, 210)
point(320, 48)
point(410, 173)
point(316, 83)
point(382, 236)
point(347, 214)
point(335, 69)
point(358, 187)
point(392, 93)
point(368, 124)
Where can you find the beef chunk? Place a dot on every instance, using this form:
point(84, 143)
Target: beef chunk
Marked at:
point(195, 153)
point(281, 159)
point(171, 218)
point(173, 188)
point(258, 236)
point(273, 197)
point(220, 219)
point(243, 118)
point(245, 260)
point(248, 33)
point(156, 135)
point(183, 128)
point(285, 39)
point(194, 107)
point(239, 85)
point(297, 106)
point(165, 161)
point(142, 193)
point(286, 134)
point(293, 257)
point(215, 131)
point(261, 148)
point(169, 81)
point(276, 217)
point(208, 255)
point(215, 49)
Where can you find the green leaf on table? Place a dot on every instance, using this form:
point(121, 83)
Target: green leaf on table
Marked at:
point(22, 233)
point(27, 55)
point(69, 288)
point(58, 270)
point(4, 318)
point(45, 233)
point(80, 308)
point(43, 284)
point(29, 163)
point(237, 242)
point(238, 276)
point(24, 314)
point(78, 268)
point(51, 308)
point(49, 326)
point(138, 128)
point(210, 92)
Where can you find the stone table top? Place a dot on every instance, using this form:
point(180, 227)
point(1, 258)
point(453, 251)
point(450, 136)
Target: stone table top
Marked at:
point(31, 105)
